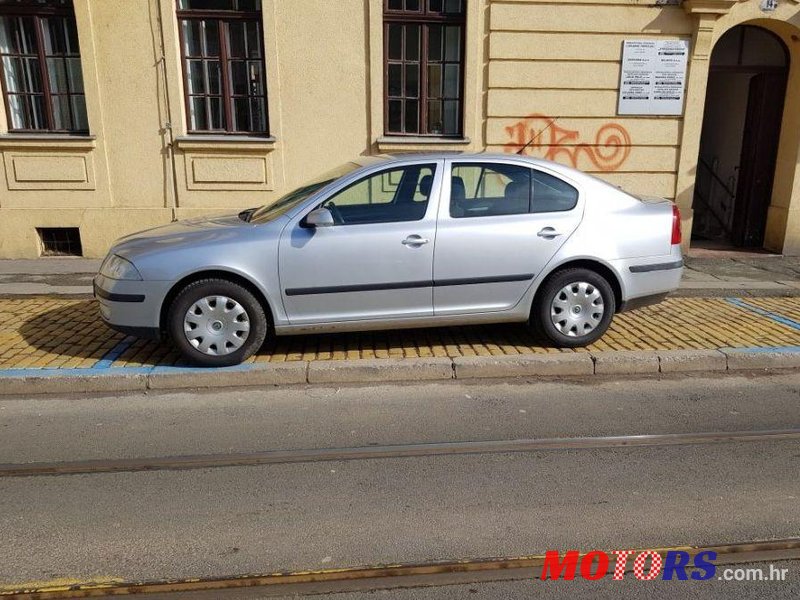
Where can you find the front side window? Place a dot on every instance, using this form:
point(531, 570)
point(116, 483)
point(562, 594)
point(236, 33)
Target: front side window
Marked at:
point(390, 196)
point(40, 64)
point(424, 67)
point(222, 47)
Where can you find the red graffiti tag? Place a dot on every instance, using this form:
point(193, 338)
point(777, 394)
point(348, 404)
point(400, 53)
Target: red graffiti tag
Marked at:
point(610, 150)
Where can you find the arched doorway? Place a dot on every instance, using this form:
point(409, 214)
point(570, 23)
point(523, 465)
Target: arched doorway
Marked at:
point(739, 144)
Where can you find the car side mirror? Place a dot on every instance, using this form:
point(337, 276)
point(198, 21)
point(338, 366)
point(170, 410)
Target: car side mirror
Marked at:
point(319, 217)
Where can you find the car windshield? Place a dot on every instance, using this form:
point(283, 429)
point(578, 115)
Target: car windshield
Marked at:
point(276, 209)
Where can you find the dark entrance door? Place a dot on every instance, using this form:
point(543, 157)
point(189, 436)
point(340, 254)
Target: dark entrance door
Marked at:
point(741, 132)
point(762, 132)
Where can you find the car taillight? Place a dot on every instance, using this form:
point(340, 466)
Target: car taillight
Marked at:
point(676, 225)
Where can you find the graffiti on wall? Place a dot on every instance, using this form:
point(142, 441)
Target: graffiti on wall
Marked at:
point(608, 151)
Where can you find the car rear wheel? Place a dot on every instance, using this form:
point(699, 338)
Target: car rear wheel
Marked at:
point(575, 308)
point(216, 323)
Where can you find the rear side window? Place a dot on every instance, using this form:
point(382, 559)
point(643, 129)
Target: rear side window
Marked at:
point(551, 194)
point(489, 189)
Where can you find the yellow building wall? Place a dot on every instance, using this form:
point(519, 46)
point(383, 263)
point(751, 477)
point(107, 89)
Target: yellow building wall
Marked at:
point(554, 75)
point(534, 68)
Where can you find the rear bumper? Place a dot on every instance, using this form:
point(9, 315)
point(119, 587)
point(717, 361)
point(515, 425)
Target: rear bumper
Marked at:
point(648, 281)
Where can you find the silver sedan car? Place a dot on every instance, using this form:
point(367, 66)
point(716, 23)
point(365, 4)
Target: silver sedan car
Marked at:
point(399, 241)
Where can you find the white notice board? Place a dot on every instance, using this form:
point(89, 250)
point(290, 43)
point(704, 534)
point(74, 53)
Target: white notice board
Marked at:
point(653, 79)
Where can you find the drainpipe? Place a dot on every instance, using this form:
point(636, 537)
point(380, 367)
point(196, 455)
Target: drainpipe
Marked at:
point(167, 127)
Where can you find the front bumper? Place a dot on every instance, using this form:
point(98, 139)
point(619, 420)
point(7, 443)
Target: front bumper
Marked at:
point(131, 307)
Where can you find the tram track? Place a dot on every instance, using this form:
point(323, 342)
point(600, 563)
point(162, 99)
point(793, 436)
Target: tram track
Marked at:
point(274, 457)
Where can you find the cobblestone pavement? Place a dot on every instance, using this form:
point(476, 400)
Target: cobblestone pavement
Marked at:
point(54, 333)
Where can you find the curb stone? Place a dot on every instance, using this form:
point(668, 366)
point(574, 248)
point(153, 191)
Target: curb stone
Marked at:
point(72, 381)
point(376, 370)
point(522, 365)
point(626, 362)
point(683, 361)
point(287, 373)
point(762, 358)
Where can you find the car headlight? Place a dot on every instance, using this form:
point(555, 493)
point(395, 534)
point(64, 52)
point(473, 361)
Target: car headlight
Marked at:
point(116, 267)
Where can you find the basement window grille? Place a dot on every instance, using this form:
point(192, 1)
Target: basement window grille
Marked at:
point(60, 241)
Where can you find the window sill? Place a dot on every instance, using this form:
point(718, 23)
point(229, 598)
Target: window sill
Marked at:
point(53, 141)
point(225, 142)
point(416, 143)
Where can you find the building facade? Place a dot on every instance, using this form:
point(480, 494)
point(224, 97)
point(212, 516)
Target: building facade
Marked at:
point(119, 115)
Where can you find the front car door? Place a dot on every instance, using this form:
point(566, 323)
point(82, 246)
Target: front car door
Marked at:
point(376, 261)
point(500, 223)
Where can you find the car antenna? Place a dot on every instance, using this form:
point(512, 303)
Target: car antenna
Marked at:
point(538, 135)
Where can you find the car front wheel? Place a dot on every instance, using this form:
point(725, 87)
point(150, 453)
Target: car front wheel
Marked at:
point(574, 308)
point(216, 323)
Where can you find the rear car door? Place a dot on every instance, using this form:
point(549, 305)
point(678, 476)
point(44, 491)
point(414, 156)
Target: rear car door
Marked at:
point(376, 261)
point(500, 223)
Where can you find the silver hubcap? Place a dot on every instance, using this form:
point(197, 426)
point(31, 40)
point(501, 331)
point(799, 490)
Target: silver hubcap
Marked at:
point(577, 309)
point(216, 325)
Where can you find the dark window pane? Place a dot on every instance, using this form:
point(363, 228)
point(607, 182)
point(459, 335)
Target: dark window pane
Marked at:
point(395, 42)
point(17, 35)
point(57, 74)
point(412, 42)
point(435, 42)
point(453, 6)
point(196, 77)
point(241, 114)
point(412, 81)
point(79, 112)
point(434, 81)
point(22, 74)
point(238, 5)
point(236, 39)
point(75, 75)
point(62, 116)
point(435, 117)
point(452, 44)
point(450, 117)
point(396, 116)
point(253, 40)
point(239, 80)
point(37, 112)
point(216, 114)
point(451, 81)
point(192, 37)
point(395, 4)
point(395, 80)
point(214, 77)
point(258, 114)
point(412, 5)
point(55, 39)
point(412, 116)
point(435, 5)
point(16, 109)
point(197, 114)
point(211, 31)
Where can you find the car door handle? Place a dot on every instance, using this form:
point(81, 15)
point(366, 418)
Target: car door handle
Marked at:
point(415, 240)
point(548, 233)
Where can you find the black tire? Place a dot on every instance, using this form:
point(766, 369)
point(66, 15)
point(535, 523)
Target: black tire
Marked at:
point(193, 293)
point(541, 320)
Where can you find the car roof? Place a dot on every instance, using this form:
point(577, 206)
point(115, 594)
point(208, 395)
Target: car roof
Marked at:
point(534, 162)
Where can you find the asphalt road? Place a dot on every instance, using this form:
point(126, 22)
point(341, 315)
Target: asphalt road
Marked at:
point(235, 520)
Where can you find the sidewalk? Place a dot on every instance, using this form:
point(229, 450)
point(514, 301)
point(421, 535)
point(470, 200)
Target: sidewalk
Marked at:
point(744, 275)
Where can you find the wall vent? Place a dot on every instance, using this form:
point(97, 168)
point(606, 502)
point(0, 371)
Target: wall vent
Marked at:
point(60, 241)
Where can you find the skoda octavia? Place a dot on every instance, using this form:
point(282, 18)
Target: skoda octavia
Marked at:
point(402, 241)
